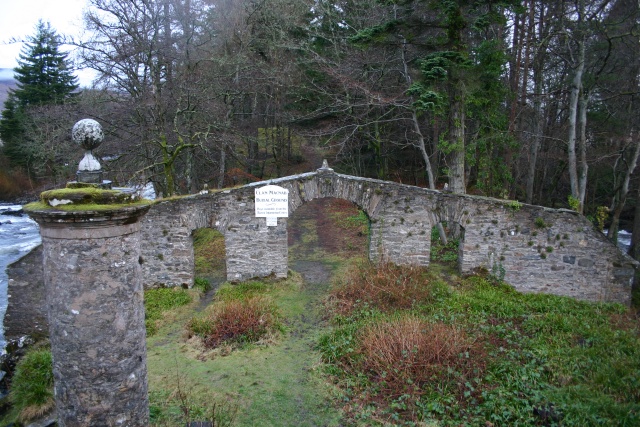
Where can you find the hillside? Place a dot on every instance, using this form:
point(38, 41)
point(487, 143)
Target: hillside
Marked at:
point(6, 82)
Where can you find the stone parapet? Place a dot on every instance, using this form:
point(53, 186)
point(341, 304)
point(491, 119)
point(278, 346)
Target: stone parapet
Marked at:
point(533, 248)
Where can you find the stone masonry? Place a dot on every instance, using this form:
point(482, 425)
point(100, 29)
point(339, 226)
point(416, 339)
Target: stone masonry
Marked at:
point(96, 315)
point(533, 248)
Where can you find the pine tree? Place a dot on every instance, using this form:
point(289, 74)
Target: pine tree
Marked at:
point(44, 77)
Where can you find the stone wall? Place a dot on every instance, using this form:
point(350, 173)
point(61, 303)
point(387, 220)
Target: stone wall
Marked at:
point(533, 248)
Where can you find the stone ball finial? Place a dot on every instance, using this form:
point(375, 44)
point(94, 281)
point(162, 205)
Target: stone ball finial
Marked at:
point(87, 133)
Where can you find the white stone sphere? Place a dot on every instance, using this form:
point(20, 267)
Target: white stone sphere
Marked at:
point(87, 133)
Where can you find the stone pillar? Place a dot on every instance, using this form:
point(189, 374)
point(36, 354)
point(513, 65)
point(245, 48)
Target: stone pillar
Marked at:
point(96, 313)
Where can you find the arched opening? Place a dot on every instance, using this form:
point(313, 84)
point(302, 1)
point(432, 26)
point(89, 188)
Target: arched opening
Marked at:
point(447, 242)
point(328, 228)
point(209, 256)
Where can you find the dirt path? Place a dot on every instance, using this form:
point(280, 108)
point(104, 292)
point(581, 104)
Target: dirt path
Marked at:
point(278, 384)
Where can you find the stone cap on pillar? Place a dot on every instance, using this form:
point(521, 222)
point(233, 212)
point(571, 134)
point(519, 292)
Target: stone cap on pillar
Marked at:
point(87, 208)
point(325, 169)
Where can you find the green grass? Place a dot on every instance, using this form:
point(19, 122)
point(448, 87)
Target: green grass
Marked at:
point(271, 383)
point(358, 222)
point(534, 360)
point(159, 301)
point(31, 393)
point(209, 251)
point(242, 291)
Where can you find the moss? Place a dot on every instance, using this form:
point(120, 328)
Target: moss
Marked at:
point(92, 193)
point(85, 199)
point(40, 206)
point(540, 223)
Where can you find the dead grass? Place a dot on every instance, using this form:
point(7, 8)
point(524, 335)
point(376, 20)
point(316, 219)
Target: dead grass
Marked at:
point(387, 287)
point(13, 184)
point(404, 354)
point(236, 321)
point(33, 412)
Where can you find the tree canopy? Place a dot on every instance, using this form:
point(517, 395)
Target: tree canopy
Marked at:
point(44, 77)
point(534, 100)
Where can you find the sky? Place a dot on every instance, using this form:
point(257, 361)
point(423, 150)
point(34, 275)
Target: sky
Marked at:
point(18, 19)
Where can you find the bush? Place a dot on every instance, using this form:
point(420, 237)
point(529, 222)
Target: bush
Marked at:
point(32, 385)
point(403, 354)
point(237, 321)
point(12, 184)
point(202, 284)
point(387, 287)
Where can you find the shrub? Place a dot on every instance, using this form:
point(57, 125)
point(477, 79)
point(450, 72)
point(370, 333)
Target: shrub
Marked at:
point(386, 286)
point(32, 385)
point(12, 183)
point(202, 284)
point(238, 321)
point(405, 353)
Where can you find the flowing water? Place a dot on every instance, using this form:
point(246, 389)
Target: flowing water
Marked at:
point(19, 234)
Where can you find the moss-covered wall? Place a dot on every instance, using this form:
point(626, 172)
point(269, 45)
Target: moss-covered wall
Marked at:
point(533, 248)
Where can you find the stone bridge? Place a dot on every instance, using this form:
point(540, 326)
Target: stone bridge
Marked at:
point(533, 248)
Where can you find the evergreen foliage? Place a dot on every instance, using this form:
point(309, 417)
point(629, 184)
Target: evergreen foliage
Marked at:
point(44, 75)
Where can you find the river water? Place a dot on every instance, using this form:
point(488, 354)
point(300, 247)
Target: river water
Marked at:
point(19, 234)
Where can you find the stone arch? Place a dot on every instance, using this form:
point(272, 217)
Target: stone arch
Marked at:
point(453, 250)
point(343, 227)
point(572, 259)
point(209, 258)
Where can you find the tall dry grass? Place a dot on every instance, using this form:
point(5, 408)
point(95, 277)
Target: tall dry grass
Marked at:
point(404, 354)
point(236, 321)
point(13, 184)
point(385, 286)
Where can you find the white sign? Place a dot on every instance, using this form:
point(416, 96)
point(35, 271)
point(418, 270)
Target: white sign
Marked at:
point(272, 201)
point(272, 221)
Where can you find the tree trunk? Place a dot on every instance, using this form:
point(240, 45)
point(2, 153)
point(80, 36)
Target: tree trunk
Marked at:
point(456, 136)
point(582, 147)
point(538, 127)
point(221, 169)
point(576, 87)
point(621, 195)
point(634, 248)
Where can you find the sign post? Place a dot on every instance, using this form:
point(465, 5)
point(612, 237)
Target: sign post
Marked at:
point(272, 202)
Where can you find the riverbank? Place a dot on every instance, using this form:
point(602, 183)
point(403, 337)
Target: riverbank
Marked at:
point(25, 321)
point(19, 234)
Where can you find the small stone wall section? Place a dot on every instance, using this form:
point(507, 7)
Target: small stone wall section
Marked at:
point(535, 249)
